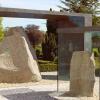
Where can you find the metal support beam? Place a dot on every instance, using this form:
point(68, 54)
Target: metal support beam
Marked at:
point(78, 29)
point(40, 14)
point(88, 41)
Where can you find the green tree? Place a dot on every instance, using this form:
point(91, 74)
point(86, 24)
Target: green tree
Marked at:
point(83, 6)
point(49, 47)
point(1, 29)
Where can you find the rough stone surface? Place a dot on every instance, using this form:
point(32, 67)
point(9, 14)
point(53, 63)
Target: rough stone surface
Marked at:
point(17, 58)
point(82, 76)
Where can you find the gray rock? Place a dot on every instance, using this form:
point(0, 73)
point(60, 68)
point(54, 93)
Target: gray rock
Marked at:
point(82, 74)
point(19, 61)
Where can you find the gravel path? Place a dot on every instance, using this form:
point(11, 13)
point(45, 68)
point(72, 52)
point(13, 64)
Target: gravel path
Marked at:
point(44, 90)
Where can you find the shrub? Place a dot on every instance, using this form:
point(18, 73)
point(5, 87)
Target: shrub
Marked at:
point(97, 72)
point(47, 66)
point(1, 29)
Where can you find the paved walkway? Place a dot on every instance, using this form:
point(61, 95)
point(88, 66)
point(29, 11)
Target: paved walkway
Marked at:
point(44, 90)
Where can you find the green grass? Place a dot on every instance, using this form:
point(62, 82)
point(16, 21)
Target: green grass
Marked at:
point(38, 47)
point(47, 66)
point(97, 59)
point(44, 61)
point(96, 51)
point(97, 62)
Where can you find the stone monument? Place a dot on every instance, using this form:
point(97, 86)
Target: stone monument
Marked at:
point(82, 74)
point(18, 61)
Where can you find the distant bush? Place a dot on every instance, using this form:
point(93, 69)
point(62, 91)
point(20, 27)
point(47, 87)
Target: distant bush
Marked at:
point(97, 72)
point(35, 35)
point(1, 29)
point(96, 52)
point(56, 59)
point(97, 62)
point(47, 66)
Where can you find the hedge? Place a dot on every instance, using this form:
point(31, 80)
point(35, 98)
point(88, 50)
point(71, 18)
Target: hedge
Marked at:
point(47, 66)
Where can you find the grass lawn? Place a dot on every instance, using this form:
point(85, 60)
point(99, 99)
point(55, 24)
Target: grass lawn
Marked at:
point(97, 61)
point(47, 66)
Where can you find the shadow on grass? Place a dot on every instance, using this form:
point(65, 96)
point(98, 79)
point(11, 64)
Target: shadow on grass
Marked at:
point(54, 77)
point(49, 77)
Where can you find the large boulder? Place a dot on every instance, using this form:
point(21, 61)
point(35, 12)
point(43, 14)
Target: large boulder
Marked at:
point(82, 74)
point(18, 61)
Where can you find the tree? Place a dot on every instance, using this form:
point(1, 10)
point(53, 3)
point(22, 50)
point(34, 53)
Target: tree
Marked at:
point(1, 29)
point(82, 6)
point(49, 47)
point(35, 35)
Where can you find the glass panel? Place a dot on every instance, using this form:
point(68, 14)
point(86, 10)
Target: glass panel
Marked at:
point(67, 44)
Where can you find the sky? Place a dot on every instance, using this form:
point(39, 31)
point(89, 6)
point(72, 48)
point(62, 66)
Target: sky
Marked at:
point(28, 4)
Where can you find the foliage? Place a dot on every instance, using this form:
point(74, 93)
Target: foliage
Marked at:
point(96, 50)
point(38, 50)
point(96, 20)
point(35, 35)
point(38, 47)
point(56, 59)
point(97, 72)
point(83, 6)
point(97, 61)
point(97, 57)
point(97, 69)
point(49, 47)
point(1, 29)
point(47, 66)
